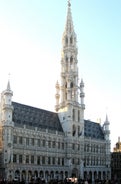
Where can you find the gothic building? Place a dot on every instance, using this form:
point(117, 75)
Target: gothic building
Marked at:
point(36, 143)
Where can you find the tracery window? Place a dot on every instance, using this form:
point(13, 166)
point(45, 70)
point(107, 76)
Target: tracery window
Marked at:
point(20, 158)
point(15, 139)
point(14, 158)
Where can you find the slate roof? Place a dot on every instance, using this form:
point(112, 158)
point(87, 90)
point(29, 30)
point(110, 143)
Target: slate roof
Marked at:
point(35, 117)
point(93, 130)
point(31, 116)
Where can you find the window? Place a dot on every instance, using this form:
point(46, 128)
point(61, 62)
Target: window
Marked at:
point(20, 159)
point(73, 114)
point(66, 40)
point(53, 144)
point(43, 160)
point(43, 143)
point(49, 144)
point(38, 142)
point(38, 160)
point(74, 130)
point(58, 145)
point(27, 141)
point(62, 145)
point(71, 40)
point(53, 160)
point(78, 115)
point(73, 146)
point(32, 141)
point(27, 159)
point(20, 140)
point(49, 160)
point(14, 158)
point(62, 161)
point(15, 139)
point(58, 161)
point(32, 159)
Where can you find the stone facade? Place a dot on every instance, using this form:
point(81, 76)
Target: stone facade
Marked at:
point(35, 143)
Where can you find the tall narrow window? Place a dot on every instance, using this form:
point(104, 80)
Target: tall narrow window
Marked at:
point(38, 160)
point(14, 158)
point(66, 41)
point(71, 60)
point(32, 159)
point(20, 140)
point(78, 115)
point(43, 160)
point(71, 40)
point(15, 139)
point(20, 159)
point(27, 141)
point(73, 114)
point(27, 159)
point(73, 130)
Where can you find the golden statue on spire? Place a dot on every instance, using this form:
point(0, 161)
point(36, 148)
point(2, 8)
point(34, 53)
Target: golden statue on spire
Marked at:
point(69, 3)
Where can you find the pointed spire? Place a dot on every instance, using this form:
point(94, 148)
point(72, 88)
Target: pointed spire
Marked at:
point(8, 86)
point(106, 118)
point(69, 23)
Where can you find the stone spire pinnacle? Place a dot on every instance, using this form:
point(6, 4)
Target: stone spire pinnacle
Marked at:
point(69, 23)
point(8, 86)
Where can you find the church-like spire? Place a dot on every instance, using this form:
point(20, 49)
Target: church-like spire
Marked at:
point(69, 22)
point(69, 68)
point(71, 110)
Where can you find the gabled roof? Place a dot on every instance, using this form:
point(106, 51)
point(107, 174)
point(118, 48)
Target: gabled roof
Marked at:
point(31, 116)
point(93, 130)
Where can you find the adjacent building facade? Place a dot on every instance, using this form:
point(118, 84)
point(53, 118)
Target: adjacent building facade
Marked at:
point(35, 143)
point(116, 162)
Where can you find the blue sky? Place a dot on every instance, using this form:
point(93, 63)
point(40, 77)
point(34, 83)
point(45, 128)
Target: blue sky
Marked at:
point(30, 50)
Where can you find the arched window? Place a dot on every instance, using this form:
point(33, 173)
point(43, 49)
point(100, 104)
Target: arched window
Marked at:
point(66, 40)
point(73, 130)
point(73, 114)
point(66, 59)
point(71, 40)
point(71, 85)
point(71, 60)
point(78, 115)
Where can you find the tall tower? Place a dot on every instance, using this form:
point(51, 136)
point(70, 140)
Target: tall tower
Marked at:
point(71, 111)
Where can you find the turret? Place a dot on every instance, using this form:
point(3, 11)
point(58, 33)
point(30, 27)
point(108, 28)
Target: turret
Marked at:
point(6, 105)
point(107, 138)
point(106, 128)
point(7, 124)
point(57, 96)
point(82, 95)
